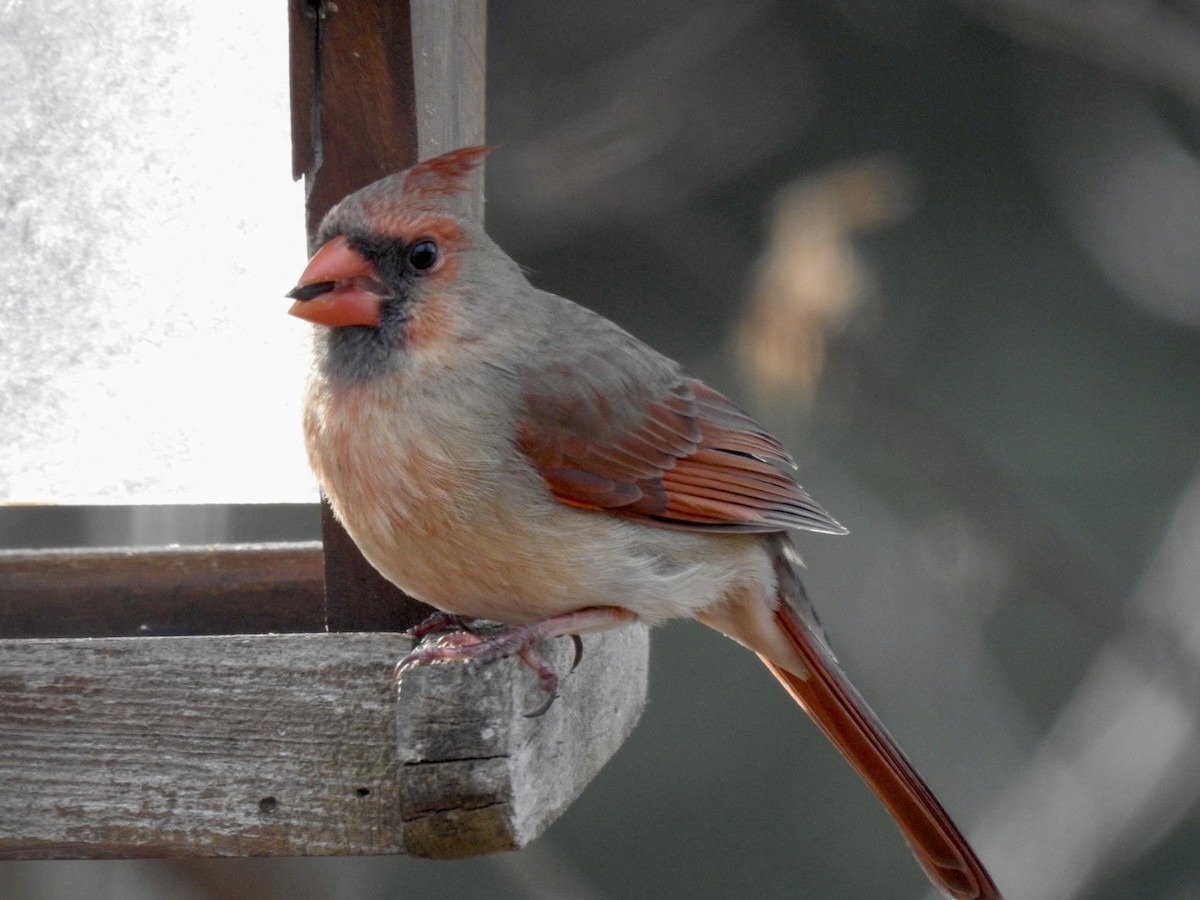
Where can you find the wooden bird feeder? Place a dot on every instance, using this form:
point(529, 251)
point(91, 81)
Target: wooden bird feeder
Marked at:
point(239, 700)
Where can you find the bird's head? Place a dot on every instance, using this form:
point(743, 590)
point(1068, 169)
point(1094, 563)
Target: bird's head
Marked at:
point(392, 262)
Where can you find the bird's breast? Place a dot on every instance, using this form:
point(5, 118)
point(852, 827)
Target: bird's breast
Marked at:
point(437, 499)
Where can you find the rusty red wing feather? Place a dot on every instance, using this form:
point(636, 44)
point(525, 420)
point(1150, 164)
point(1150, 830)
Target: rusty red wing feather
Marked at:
point(692, 460)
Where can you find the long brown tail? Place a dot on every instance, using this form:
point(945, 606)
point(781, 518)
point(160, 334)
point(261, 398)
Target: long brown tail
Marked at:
point(833, 703)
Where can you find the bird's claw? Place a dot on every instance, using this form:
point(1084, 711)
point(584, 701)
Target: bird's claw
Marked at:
point(465, 646)
point(446, 648)
point(547, 678)
point(438, 623)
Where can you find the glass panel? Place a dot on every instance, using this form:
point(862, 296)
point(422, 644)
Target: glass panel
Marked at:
point(150, 229)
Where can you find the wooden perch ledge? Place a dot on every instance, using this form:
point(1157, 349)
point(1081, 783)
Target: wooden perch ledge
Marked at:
point(298, 744)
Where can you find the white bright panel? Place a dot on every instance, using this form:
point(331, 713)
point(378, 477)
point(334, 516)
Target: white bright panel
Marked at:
point(149, 228)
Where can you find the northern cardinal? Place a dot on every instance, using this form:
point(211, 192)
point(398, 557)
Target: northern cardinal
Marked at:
point(504, 454)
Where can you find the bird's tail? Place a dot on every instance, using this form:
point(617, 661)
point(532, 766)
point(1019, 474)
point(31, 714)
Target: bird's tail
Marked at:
point(827, 695)
point(789, 640)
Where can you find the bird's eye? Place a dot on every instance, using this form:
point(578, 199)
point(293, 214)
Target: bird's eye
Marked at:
point(422, 255)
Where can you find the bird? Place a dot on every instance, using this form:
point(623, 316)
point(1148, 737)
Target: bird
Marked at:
point(504, 454)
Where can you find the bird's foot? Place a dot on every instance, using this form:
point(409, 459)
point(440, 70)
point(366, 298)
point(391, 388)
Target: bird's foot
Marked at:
point(516, 640)
point(439, 623)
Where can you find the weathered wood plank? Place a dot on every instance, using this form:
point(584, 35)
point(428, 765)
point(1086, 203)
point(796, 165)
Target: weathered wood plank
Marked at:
point(126, 592)
point(258, 745)
point(289, 745)
point(512, 775)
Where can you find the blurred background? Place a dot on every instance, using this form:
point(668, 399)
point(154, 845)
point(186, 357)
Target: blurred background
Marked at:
point(946, 250)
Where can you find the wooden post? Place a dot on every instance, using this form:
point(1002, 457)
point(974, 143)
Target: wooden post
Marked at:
point(353, 121)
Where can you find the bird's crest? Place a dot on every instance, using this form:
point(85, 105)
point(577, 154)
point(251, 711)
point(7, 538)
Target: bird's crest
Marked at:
point(390, 204)
point(431, 181)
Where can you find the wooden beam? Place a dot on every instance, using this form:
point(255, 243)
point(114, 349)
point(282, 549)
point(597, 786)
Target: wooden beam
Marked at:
point(482, 776)
point(352, 97)
point(369, 79)
point(273, 745)
point(216, 589)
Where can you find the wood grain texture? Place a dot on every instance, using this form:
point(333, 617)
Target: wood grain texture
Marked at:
point(356, 107)
point(288, 745)
point(489, 777)
point(215, 589)
point(224, 746)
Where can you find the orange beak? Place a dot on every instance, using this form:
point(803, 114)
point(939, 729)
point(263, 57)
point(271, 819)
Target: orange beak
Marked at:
point(338, 287)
